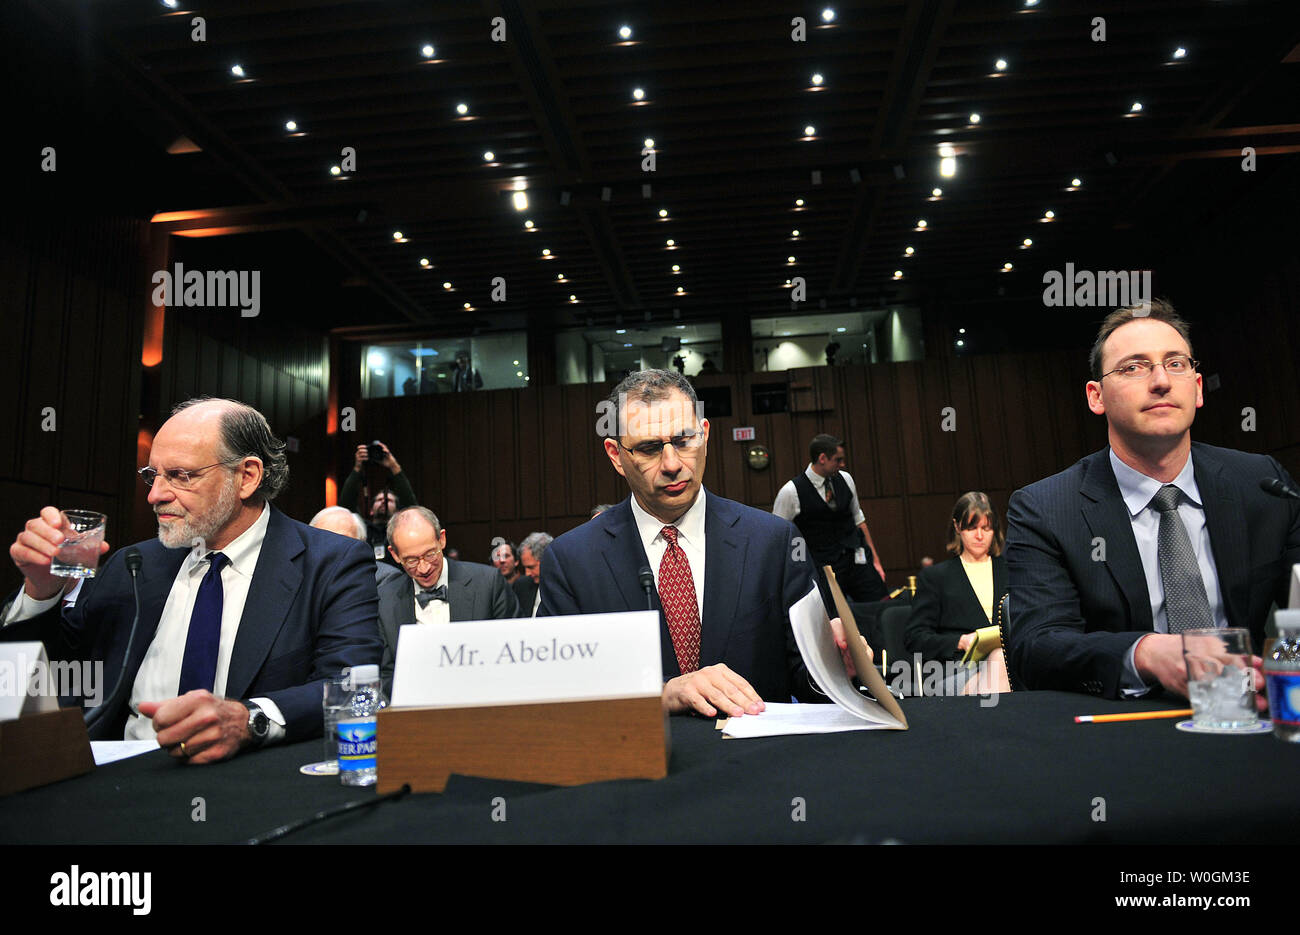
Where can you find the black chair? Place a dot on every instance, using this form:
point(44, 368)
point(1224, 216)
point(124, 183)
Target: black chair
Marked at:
point(893, 624)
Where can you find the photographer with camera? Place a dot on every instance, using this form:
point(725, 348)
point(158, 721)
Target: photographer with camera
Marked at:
point(396, 494)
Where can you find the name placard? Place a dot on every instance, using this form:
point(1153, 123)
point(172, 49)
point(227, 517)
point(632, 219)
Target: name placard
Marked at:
point(26, 680)
point(541, 659)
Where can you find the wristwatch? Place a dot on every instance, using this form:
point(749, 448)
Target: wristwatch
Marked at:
point(259, 725)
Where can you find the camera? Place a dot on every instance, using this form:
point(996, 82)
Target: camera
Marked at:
point(375, 452)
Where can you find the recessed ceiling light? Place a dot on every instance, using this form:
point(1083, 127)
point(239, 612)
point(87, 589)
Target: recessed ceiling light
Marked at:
point(908, 251)
point(1180, 52)
point(638, 94)
point(1135, 107)
point(489, 156)
point(670, 242)
point(798, 202)
point(681, 290)
point(974, 118)
point(546, 251)
point(462, 108)
point(828, 15)
point(1049, 215)
point(790, 261)
point(427, 51)
point(1006, 267)
point(573, 299)
point(447, 286)
point(520, 200)
point(468, 306)
point(170, 4)
point(649, 142)
point(810, 130)
point(682, 326)
point(625, 32)
point(817, 79)
point(961, 343)
point(528, 225)
point(620, 331)
point(291, 125)
point(663, 212)
point(1077, 183)
point(424, 261)
point(1000, 64)
point(795, 233)
point(237, 70)
point(398, 235)
point(936, 193)
point(335, 170)
point(1031, 2)
point(841, 330)
point(1028, 242)
point(898, 274)
point(961, 330)
point(676, 268)
point(921, 225)
point(948, 166)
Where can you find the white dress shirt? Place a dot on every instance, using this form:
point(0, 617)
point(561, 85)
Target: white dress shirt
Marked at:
point(1137, 489)
point(435, 611)
point(159, 675)
point(690, 536)
point(787, 498)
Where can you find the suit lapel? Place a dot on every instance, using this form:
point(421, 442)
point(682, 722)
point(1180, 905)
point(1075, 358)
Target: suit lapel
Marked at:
point(724, 563)
point(1226, 521)
point(624, 556)
point(961, 586)
point(1107, 517)
point(460, 594)
point(276, 580)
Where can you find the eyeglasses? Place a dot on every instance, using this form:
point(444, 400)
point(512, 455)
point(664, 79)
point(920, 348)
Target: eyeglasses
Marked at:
point(178, 478)
point(684, 445)
point(428, 558)
point(1176, 366)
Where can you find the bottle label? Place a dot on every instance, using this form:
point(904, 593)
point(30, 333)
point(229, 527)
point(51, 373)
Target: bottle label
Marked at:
point(356, 744)
point(1284, 696)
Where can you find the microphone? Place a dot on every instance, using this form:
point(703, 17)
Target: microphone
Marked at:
point(92, 717)
point(1271, 485)
point(647, 579)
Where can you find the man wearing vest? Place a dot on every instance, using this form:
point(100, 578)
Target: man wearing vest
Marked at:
point(823, 503)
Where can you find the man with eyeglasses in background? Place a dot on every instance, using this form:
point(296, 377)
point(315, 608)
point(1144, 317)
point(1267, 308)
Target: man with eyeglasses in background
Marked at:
point(1110, 560)
point(724, 574)
point(243, 611)
point(434, 589)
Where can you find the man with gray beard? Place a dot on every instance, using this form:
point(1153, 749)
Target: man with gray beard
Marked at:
point(243, 611)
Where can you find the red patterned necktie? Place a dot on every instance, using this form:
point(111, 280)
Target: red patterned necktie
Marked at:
point(677, 595)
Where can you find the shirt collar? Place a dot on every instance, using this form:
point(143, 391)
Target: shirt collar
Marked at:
point(1137, 489)
point(690, 525)
point(243, 550)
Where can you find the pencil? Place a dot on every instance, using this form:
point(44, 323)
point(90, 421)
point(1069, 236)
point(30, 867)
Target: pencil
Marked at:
point(1135, 716)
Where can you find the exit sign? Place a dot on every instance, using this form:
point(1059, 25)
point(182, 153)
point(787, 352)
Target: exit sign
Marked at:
point(744, 434)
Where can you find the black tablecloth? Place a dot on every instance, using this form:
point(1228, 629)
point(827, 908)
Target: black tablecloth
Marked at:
point(1020, 771)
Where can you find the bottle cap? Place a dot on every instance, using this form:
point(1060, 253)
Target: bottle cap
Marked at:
point(362, 675)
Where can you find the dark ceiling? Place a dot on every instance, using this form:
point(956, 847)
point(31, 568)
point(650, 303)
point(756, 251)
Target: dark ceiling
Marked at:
point(727, 95)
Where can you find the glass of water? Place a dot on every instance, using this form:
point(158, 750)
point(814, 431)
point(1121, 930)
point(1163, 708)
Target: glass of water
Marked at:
point(1220, 678)
point(338, 702)
point(78, 556)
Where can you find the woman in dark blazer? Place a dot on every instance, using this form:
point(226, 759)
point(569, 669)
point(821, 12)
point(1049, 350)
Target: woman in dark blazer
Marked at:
point(957, 597)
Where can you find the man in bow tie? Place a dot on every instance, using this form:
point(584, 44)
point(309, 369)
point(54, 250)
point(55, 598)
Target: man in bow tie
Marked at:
point(434, 589)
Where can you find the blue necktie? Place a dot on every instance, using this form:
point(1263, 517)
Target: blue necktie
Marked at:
point(199, 666)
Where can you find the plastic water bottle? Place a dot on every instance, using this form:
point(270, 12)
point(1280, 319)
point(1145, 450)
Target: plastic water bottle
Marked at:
point(1282, 675)
point(356, 729)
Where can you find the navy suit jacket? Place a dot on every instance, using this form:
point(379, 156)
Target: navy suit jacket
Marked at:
point(311, 610)
point(1074, 615)
point(751, 577)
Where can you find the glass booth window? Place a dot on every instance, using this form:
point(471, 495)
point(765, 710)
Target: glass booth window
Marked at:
point(830, 339)
point(445, 365)
point(601, 355)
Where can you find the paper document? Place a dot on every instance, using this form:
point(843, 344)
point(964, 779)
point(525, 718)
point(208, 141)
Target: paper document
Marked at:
point(110, 751)
point(779, 720)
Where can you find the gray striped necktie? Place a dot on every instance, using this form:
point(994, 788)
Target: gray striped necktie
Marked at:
point(1186, 606)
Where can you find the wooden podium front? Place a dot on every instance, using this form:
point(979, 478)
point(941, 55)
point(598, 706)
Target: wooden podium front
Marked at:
point(36, 749)
point(563, 743)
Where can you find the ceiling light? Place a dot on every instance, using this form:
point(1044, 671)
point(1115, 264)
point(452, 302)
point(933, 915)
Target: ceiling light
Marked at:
point(670, 242)
point(682, 326)
point(398, 236)
point(489, 156)
point(335, 170)
point(560, 278)
point(1031, 2)
point(1180, 52)
point(520, 200)
point(1027, 242)
point(649, 142)
point(291, 125)
point(828, 15)
point(546, 251)
point(898, 274)
point(817, 79)
point(676, 268)
point(573, 299)
point(1049, 215)
point(1135, 107)
point(447, 286)
point(961, 330)
point(528, 225)
point(170, 4)
point(798, 202)
point(948, 166)
point(790, 261)
point(427, 51)
point(961, 343)
point(974, 118)
point(1076, 183)
point(237, 70)
point(841, 330)
point(946, 150)
point(680, 290)
point(424, 261)
point(627, 345)
point(936, 193)
point(620, 331)
point(809, 131)
point(663, 212)
point(625, 32)
point(468, 306)
point(638, 94)
point(921, 225)
point(908, 251)
point(794, 233)
point(1000, 64)
point(1006, 267)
